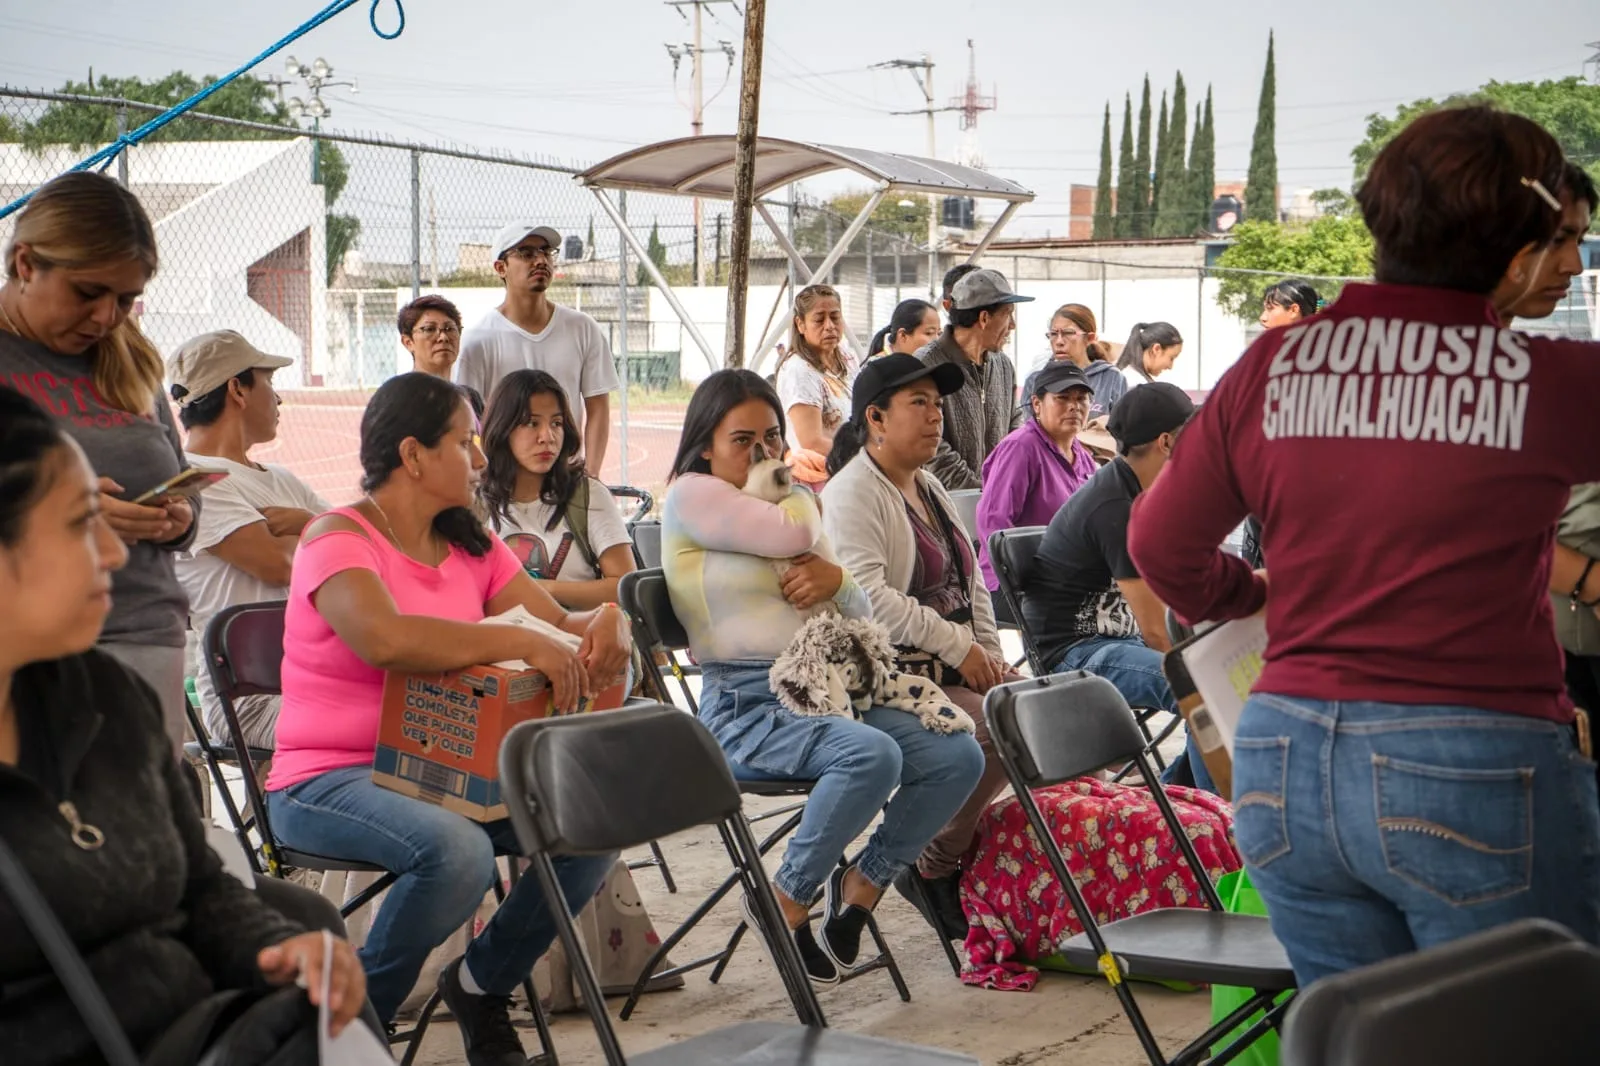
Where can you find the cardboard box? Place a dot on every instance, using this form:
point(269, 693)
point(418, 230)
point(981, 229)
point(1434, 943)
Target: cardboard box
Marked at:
point(439, 737)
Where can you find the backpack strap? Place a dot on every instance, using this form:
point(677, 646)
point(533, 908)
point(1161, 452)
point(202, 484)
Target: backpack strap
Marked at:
point(577, 516)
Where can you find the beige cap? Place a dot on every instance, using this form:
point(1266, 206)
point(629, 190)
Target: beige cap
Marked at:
point(205, 363)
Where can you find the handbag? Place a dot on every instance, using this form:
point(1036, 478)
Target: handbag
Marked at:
point(914, 660)
point(276, 1027)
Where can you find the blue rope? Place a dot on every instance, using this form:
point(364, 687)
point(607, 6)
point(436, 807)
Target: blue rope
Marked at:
point(107, 155)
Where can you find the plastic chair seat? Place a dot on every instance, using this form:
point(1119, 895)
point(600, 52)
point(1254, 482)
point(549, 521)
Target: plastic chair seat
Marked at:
point(307, 860)
point(1200, 946)
point(224, 752)
point(775, 788)
point(750, 1043)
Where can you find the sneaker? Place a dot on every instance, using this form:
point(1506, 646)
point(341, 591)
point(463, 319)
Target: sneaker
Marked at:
point(842, 923)
point(819, 967)
point(484, 1021)
point(937, 899)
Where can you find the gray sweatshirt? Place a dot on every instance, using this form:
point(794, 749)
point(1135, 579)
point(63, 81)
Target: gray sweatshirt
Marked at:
point(138, 453)
point(976, 418)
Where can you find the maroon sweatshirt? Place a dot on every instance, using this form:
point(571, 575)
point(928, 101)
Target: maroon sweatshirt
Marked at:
point(1408, 457)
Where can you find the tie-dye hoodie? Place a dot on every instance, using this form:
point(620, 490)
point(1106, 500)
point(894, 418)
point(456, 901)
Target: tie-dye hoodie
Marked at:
point(717, 547)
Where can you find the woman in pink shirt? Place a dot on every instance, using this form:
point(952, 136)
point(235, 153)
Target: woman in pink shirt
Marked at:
point(401, 580)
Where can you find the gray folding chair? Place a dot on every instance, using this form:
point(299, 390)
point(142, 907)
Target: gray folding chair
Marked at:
point(966, 501)
point(595, 783)
point(1051, 729)
point(1523, 992)
point(646, 544)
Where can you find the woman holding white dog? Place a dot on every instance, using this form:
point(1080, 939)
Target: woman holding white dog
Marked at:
point(898, 533)
point(718, 547)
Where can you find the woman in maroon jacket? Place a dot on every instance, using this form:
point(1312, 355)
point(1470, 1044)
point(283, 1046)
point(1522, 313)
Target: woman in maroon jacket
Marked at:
point(1407, 770)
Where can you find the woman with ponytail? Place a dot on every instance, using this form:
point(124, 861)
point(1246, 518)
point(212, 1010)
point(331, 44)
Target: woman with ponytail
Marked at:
point(80, 256)
point(915, 323)
point(1287, 302)
point(1151, 350)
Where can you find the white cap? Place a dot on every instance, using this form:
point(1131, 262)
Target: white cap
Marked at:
point(512, 235)
point(205, 363)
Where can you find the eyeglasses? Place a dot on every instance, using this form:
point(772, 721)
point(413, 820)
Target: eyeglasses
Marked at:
point(1063, 334)
point(449, 329)
point(546, 253)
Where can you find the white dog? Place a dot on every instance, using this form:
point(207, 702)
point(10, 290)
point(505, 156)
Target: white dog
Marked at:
point(770, 480)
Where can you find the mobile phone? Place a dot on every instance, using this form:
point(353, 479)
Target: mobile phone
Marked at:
point(187, 484)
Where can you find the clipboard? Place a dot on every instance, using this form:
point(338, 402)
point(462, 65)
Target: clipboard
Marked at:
point(1211, 675)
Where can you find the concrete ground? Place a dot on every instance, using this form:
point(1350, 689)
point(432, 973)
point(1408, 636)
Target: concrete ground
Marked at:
point(1064, 1020)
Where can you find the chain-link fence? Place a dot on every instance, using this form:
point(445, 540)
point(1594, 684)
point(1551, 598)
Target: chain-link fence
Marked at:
point(308, 243)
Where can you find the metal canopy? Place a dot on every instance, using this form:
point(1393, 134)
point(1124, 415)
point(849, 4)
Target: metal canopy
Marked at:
point(703, 167)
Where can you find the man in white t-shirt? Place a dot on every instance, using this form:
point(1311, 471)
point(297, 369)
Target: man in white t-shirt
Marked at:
point(529, 332)
point(251, 522)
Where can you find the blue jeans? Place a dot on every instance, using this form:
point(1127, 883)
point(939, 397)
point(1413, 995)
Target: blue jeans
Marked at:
point(1375, 829)
point(856, 766)
point(445, 865)
point(1135, 669)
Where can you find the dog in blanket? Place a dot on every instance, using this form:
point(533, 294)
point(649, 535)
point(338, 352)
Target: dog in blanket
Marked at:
point(841, 666)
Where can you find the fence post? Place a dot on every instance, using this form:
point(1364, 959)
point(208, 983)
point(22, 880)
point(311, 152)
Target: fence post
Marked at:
point(622, 328)
point(416, 223)
point(1102, 294)
point(122, 156)
point(872, 310)
point(361, 339)
point(1200, 327)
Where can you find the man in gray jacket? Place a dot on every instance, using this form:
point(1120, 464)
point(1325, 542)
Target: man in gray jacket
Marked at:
point(979, 416)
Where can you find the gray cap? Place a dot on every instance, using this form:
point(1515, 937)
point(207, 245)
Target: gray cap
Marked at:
point(983, 288)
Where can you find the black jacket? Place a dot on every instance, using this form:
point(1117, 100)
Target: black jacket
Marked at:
point(159, 921)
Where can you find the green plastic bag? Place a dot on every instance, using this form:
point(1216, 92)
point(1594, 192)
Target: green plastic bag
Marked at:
point(1240, 897)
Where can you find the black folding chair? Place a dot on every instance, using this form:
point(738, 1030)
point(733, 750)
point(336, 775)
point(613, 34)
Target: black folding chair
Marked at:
point(214, 756)
point(1051, 729)
point(643, 502)
point(643, 596)
point(244, 654)
point(646, 544)
point(590, 784)
point(1011, 553)
point(1523, 992)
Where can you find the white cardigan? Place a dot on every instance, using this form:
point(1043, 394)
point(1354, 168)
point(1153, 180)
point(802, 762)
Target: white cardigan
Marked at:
point(865, 518)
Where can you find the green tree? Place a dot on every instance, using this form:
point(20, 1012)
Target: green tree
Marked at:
point(1261, 190)
point(1172, 210)
point(1327, 249)
point(1139, 205)
point(588, 245)
point(1158, 166)
point(1125, 169)
point(1568, 108)
point(85, 125)
point(905, 217)
point(657, 252)
point(1334, 202)
point(1104, 226)
point(1202, 168)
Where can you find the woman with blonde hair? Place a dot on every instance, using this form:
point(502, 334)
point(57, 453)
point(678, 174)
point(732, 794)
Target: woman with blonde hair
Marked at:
point(813, 382)
point(80, 256)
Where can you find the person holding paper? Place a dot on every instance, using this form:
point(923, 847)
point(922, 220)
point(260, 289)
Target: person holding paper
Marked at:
point(1086, 604)
point(402, 580)
point(1407, 770)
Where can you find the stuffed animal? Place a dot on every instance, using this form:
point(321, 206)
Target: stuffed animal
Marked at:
point(771, 480)
point(842, 666)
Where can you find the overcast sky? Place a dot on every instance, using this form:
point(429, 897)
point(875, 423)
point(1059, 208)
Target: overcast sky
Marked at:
point(581, 81)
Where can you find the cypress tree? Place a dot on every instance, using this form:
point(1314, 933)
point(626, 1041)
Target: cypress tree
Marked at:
point(1139, 202)
point(1261, 191)
point(1104, 226)
point(1203, 166)
point(657, 251)
point(1158, 166)
point(1125, 169)
point(1172, 210)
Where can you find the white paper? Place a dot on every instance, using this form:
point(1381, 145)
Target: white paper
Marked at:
point(357, 1045)
point(1224, 666)
point(521, 617)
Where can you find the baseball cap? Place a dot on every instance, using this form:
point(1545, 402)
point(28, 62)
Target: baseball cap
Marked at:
point(1147, 411)
point(1059, 377)
point(889, 372)
point(205, 363)
point(983, 288)
point(512, 234)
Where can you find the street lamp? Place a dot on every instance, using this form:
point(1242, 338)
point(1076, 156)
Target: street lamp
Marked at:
point(318, 76)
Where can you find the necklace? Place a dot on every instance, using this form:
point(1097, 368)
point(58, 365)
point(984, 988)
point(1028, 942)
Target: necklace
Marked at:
point(389, 526)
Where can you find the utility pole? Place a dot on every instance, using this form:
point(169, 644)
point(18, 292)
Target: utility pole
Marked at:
point(1594, 60)
point(925, 83)
point(697, 104)
point(744, 179)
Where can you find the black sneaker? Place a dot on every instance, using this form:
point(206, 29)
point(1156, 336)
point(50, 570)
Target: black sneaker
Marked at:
point(819, 967)
point(842, 923)
point(485, 1022)
point(937, 899)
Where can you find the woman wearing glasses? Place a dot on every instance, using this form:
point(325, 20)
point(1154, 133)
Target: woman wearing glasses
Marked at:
point(1073, 339)
point(430, 329)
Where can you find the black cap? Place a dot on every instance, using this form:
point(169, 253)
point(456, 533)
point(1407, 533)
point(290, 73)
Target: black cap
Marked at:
point(1147, 411)
point(1059, 377)
point(889, 372)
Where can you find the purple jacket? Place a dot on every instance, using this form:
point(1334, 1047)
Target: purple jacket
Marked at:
point(1026, 479)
